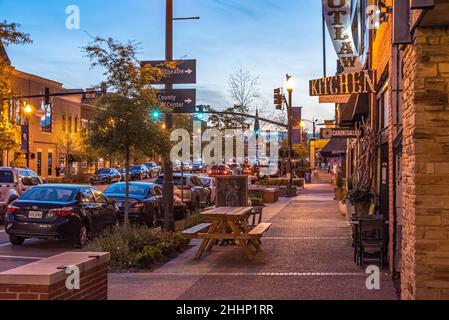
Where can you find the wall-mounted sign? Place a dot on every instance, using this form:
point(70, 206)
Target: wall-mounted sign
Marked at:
point(184, 73)
point(340, 16)
point(179, 100)
point(330, 133)
point(340, 99)
point(344, 84)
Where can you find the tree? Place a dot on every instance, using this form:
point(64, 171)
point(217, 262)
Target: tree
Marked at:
point(71, 143)
point(9, 134)
point(243, 89)
point(123, 124)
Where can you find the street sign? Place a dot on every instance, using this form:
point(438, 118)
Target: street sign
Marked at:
point(179, 100)
point(184, 73)
point(330, 133)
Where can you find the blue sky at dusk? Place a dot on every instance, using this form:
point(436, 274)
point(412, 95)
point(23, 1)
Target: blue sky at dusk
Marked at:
point(268, 37)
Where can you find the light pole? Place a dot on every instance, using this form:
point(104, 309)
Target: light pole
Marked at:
point(169, 217)
point(28, 111)
point(290, 84)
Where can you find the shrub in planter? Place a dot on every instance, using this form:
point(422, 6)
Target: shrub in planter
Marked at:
point(361, 199)
point(149, 255)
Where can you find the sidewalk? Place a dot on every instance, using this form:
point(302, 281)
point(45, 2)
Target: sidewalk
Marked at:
point(308, 255)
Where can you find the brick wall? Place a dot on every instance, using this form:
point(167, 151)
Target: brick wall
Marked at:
point(425, 264)
point(31, 282)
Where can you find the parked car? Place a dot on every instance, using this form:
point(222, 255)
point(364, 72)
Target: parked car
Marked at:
point(13, 183)
point(199, 166)
point(105, 176)
point(177, 166)
point(236, 168)
point(187, 166)
point(145, 201)
point(247, 169)
point(154, 169)
point(211, 184)
point(139, 172)
point(219, 170)
point(66, 212)
point(123, 173)
point(190, 189)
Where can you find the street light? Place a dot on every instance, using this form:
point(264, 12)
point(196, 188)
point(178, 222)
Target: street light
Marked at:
point(291, 85)
point(28, 111)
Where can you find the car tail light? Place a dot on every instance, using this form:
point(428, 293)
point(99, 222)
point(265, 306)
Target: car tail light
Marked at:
point(63, 212)
point(12, 209)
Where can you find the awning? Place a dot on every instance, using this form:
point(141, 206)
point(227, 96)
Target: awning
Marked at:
point(335, 148)
point(355, 110)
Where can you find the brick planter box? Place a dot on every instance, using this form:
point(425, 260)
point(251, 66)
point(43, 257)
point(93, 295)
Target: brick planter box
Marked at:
point(271, 195)
point(46, 279)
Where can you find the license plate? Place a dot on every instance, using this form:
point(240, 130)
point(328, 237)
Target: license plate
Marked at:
point(35, 215)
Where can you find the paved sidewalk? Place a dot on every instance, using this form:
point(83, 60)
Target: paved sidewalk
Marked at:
point(308, 255)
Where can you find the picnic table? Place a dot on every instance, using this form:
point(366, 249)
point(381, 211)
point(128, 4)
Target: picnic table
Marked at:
point(228, 224)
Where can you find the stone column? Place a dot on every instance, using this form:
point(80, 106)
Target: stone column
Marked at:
point(425, 267)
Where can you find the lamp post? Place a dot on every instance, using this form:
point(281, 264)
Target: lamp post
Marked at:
point(291, 85)
point(28, 111)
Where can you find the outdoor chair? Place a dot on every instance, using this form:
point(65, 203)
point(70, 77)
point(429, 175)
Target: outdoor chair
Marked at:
point(370, 238)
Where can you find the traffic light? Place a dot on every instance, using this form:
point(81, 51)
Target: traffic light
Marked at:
point(156, 114)
point(278, 98)
point(200, 113)
point(47, 96)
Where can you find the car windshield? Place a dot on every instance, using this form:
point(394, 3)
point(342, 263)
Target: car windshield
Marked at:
point(6, 176)
point(135, 189)
point(150, 165)
point(136, 168)
point(104, 171)
point(198, 162)
point(50, 194)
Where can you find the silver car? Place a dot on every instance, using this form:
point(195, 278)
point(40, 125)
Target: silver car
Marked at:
point(13, 183)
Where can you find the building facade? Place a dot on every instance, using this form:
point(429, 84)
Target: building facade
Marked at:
point(406, 44)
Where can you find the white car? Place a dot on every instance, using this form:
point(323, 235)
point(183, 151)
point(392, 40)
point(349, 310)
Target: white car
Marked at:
point(211, 184)
point(13, 183)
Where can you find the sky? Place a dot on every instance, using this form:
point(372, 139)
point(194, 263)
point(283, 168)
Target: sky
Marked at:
point(268, 37)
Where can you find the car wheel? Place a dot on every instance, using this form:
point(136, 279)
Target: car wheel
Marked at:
point(83, 237)
point(16, 241)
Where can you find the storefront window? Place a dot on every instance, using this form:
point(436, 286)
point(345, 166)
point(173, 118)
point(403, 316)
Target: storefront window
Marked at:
point(50, 164)
point(46, 120)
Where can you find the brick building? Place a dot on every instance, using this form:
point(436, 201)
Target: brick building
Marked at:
point(406, 42)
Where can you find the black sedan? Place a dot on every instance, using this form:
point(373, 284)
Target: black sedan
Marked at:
point(66, 212)
point(144, 201)
point(105, 176)
point(139, 172)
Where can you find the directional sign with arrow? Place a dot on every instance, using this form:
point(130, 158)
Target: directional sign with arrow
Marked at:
point(179, 100)
point(184, 73)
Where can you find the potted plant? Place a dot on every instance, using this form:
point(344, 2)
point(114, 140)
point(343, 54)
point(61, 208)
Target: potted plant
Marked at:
point(361, 199)
point(360, 195)
point(339, 190)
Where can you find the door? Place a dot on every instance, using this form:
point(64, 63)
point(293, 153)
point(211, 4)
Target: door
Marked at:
point(90, 209)
point(106, 210)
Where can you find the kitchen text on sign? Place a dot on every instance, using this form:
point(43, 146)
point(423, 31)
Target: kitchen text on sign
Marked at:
point(347, 83)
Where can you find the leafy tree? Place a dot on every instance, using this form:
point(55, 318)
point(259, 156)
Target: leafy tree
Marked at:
point(71, 143)
point(9, 134)
point(123, 124)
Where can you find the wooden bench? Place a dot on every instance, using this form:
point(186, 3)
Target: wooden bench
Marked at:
point(259, 230)
point(194, 231)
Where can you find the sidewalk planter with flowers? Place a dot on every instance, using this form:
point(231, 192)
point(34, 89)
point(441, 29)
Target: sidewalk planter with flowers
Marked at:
point(361, 199)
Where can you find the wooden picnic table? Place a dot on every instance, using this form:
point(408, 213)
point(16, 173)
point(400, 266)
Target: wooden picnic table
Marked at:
point(225, 223)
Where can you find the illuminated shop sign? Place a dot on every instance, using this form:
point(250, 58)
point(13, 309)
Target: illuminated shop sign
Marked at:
point(340, 19)
point(344, 84)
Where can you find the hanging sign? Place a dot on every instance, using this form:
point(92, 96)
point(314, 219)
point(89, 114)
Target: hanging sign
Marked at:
point(329, 133)
point(344, 84)
point(339, 19)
